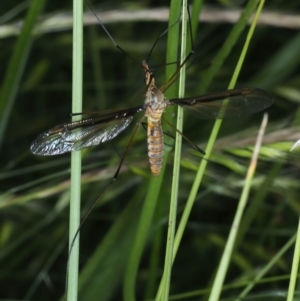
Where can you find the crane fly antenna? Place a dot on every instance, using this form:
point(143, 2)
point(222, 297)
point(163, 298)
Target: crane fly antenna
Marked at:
point(161, 35)
point(176, 73)
point(102, 25)
point(174, 76)
point(112, 39)
point(188, 57)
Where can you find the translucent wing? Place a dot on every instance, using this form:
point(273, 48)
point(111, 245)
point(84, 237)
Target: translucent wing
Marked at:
point(224, 104)
point(82, 134)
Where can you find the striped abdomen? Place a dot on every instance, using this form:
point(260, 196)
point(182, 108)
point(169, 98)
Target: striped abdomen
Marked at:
point(155, 146)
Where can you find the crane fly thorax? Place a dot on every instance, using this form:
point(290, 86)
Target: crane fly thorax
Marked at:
point(155, 101)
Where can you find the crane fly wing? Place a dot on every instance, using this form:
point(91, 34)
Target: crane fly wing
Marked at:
point(224, 104)
point(84, 133)
point(75, 136)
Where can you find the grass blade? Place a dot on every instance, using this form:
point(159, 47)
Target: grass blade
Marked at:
point(16, 65)
point(295, 267)
point(176, 169)
point(75, 188)
point(223, 267)
point(228, 45)
point(154, 187)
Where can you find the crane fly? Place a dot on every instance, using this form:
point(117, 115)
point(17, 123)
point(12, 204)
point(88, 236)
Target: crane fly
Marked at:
point(103, 126)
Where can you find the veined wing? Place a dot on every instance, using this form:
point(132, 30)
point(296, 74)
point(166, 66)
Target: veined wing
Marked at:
point(83, 133)
point(229, 103)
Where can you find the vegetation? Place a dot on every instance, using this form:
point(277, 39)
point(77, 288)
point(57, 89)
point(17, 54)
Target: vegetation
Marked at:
point(36, 94)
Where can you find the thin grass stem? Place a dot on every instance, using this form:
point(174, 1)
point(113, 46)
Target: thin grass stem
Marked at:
point(267, 268)
point(15, 68)
point(75, 188)
point(225, 260)
point(176, 169)
point(153, 192)
point(295, 267)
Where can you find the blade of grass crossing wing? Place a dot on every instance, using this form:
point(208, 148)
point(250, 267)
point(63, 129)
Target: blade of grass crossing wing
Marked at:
point(75, 187)
point(197, 181)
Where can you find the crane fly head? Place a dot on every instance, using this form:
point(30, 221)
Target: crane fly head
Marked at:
point(149, 79)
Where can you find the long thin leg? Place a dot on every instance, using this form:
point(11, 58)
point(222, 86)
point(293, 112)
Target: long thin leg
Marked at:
point(192, 144)
point(189, 56)
point(101, 195)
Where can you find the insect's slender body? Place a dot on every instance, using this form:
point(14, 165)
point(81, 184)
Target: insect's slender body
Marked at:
point(155, 145)
point(155, 104)
point(106, 125)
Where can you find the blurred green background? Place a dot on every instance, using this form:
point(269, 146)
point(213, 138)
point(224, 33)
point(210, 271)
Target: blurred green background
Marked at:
point(35, 190)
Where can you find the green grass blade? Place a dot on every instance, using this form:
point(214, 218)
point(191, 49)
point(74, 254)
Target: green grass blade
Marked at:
point(268, 267)
point(295, 267)
point(176, 169)
point(203, 164)
point(256, 203)
point(36, 190)
point(155, 183)
point(75, 188)
point(16, 65)
point(227, 254)
point(141, 237)
point(220, 276)
point(105, 267)
point(228, 45)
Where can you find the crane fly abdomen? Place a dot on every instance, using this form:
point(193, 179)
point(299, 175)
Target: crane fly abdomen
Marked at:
point(155, 146)
point(155, 104)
